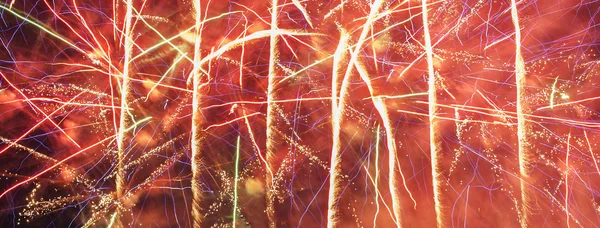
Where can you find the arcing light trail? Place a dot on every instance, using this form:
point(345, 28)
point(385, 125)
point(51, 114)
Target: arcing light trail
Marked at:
point(299, 113)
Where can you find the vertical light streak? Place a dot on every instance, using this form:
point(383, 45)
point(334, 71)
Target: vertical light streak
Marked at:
point(552, 93)
point(591, 152)
point(336, 120)
point(271, 109)
point(522, 128)
point(434, 128)
point(334, 174)
point(567, 170)
point(235, 183)
point(391, 145)
point(124, 121)
point(115, 4)
point(377, 176)
point(197, 211)
point(383, 112)
point(241, 81)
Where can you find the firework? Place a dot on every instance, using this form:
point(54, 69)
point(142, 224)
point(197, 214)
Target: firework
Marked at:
point(434, 127)
point(124, 117)
point(522, 128)
point(196, 158)
point(336, 120)
point(271, 114)
point(299, 113)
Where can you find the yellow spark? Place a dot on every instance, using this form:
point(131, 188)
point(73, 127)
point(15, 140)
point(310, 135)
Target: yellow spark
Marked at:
point(113, 218)
point(553, 92)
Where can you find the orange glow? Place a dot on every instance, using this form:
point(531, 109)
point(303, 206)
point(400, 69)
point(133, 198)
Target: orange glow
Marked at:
point(299, 113)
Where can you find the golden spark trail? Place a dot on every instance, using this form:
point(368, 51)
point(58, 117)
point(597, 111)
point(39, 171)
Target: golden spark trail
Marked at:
point(391, 145)
point(57, 164)
point(434, 128)
point(383, 112)
point(246, 121)
point(304, 13)
point(522, 127)
point(552, 93)
point(271, 110)
point(197, 198)
point(591, 152)
point(35, 107)
point(31, 129)
point(567, 170)
point(336, 121)
point(124, 119)
point(112, 220)
point(333, 210)
point(376, 177)
point(198, 66)
point(236, 179)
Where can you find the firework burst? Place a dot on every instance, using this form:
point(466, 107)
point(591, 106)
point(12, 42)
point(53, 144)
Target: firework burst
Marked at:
point(299, 113)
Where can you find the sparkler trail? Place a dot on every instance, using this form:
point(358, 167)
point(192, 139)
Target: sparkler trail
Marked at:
point(196, 158)
point(435, 142)
point(337, 109)
point(376, 177)
point(522, 127)
point(271, 112)
point(236, 179)
point(124, 117)
point(567, 170)
point(299, 113)
point(332, 214)
point(391, 146)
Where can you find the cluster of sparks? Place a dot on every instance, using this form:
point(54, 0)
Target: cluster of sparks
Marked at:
point(299, 113)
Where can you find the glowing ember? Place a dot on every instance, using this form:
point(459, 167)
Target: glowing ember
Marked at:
point(299, 113)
